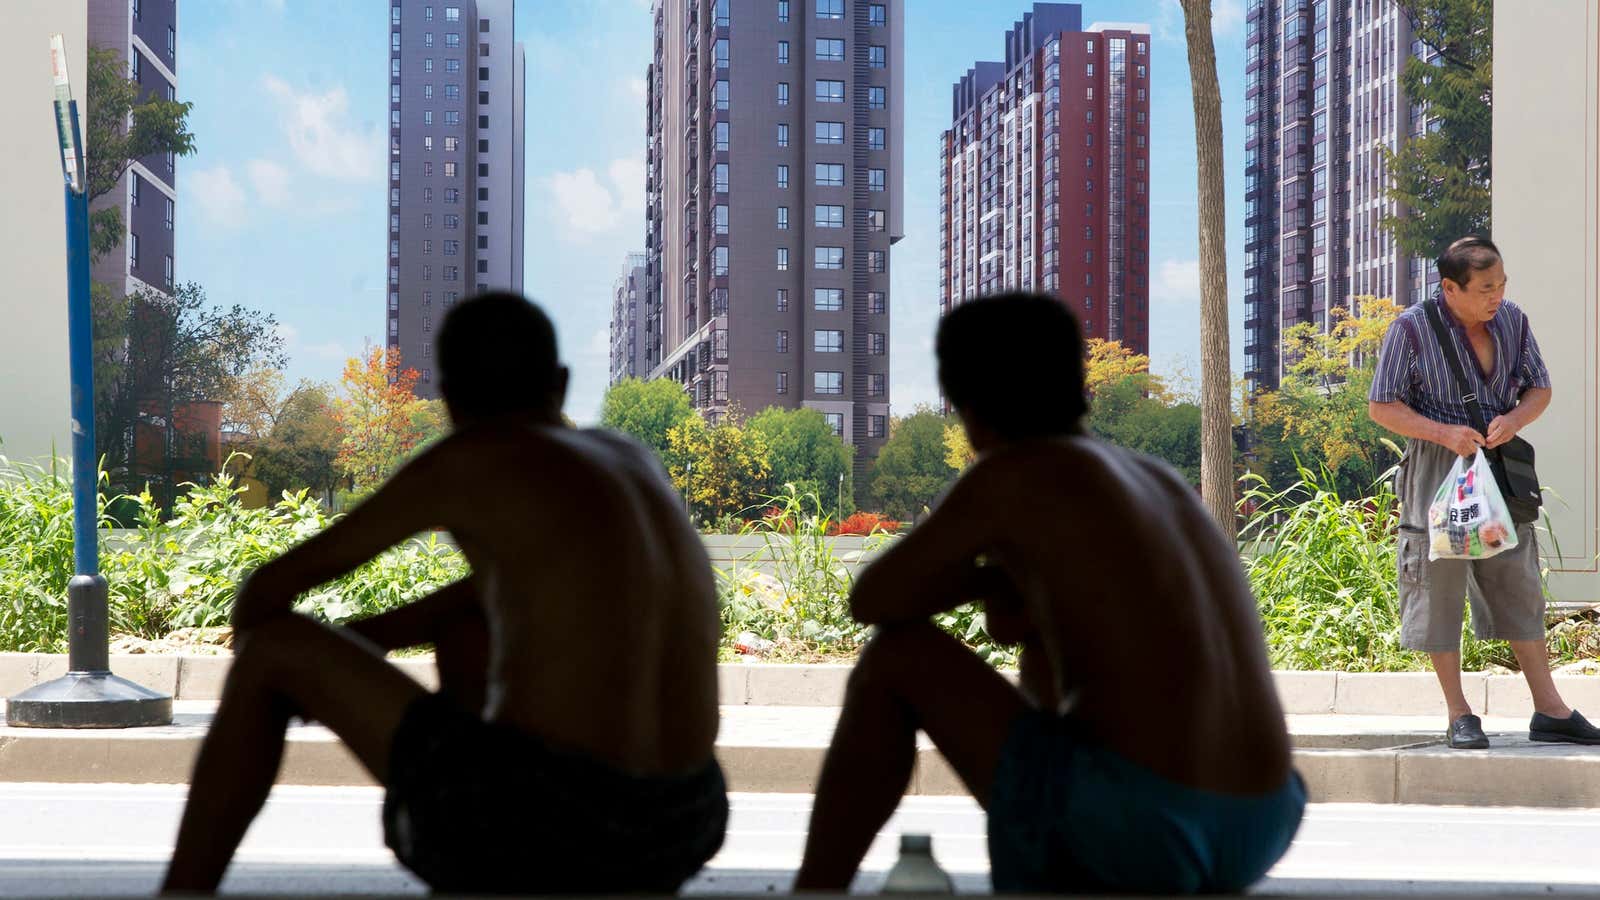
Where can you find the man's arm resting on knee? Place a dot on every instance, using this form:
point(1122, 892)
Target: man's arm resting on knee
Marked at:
point(934, 568)
point(419, 621)
point(409, 502)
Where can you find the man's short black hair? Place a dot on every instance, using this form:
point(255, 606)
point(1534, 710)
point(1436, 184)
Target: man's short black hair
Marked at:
point(497, 354)
point(1465, 256)
point(1014, 362)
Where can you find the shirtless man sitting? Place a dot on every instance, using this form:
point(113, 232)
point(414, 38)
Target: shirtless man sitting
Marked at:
point(1146, 750)
point(545, 763)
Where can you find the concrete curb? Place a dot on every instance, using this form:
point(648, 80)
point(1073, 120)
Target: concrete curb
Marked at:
point(777, 684)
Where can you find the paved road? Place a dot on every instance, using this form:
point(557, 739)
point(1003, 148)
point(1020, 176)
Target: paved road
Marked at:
point(111, 840)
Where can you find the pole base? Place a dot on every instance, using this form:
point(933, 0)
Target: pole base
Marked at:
point(88, 700)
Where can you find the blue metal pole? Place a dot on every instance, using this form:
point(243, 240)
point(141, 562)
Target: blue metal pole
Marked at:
point(85, 467)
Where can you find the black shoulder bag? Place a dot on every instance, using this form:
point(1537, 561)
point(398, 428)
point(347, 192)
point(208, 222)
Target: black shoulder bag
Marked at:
point(1512, 461)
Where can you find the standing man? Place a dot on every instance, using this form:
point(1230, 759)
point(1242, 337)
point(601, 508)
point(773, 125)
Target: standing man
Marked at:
point(1415, 394)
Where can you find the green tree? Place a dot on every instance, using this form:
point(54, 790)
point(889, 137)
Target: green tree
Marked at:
point(720, 468)
point(302, 449)
point(648, 410)
point(911, 470)
point(1443, 176)
point(180, 350)
point(1318, 417)
point(122, 127)
point(1133, 413)
point(803, 450)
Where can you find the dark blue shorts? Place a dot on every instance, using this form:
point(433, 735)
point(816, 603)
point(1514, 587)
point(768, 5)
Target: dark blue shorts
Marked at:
point(1067, 815)
point(477, 807)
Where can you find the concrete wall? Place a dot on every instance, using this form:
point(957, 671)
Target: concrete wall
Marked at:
point(34, 392)
point(1545, 188)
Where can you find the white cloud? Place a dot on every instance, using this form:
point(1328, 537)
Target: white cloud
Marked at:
point(1176, 281)
point(221, 200)
point(332, 351)
point(323, 138)
point(288, 333)
point(588, 206)
point(637, 88)
point(270, 181)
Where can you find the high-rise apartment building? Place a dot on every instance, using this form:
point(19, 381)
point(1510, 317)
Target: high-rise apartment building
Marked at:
point(628, 320)
point(144, 35)
point(774, 155)
point(456, 159)
point(1045, 173)
point(1322, 100)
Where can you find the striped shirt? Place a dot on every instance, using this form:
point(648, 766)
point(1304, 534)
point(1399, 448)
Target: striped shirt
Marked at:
point(1412, 367)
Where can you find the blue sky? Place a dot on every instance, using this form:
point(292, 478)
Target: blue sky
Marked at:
point(282, 207)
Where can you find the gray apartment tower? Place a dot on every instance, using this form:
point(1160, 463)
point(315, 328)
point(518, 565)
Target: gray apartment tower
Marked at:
point(456, 159)
point(773, 195)
point(628, 320)
point(144, 34)
point(1322, 100)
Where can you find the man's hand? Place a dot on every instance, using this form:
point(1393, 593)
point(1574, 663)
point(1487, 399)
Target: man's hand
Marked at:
point(1464, 440)
point(258, 600)
point(1501, 430)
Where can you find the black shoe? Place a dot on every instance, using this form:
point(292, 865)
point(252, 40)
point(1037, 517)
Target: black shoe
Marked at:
point(1574, 729)
point(1466, 733)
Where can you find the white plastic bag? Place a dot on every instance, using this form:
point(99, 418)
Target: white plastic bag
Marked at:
point(1468, 518)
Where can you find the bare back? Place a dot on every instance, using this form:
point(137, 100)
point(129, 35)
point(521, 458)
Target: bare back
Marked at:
point(1144, 612)
point(599, 595)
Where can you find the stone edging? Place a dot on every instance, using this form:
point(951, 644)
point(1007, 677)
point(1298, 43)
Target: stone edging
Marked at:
point(763, 684)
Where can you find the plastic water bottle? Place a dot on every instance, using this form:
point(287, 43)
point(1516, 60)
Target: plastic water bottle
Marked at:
point(916, 872)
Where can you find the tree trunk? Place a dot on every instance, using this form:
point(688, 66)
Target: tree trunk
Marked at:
point(1216, 414)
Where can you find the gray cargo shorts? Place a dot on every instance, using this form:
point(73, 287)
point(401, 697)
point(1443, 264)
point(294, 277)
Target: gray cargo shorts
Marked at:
point(1504, 591)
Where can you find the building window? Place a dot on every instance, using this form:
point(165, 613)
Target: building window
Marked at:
point(394, 44)
point(828, 383)
point(830, 91)
point(452, 39)
point(783, 93)
point(451, 248)
point(877, 303)
point(394, 67)
point(451, 144)
point(427, 39)
point(828, 299)
point(452, 195)
point(876, 219)
point(878, 56)
point(876, 426)
point(719, 178)
point(452, 13)
point(783, 218)
point(394, 196)
point(783, 299)
point(830, 175)
point(719, 261)
point(783, 10)
point(719, 137)
point(829, 216)
point(719, 53)
point(394, 93)
point(877, 98)
point(876, 179)
point(878, 15)
point(783, 382)
point(783, 53)
point(830, 9)
point(827, 341)
point(783, 341)
point(830, 50)
point(452, 92)
point(783, 134)
point(134, 189)
point(876, 384)
point(876, 138)
point(166, 270)
point(830, 257)
point(877, 260)
point(394, 221)
point(452, 65)
point(830, 132)
point(783, 176)
point(783, 259)
point(427, 116)
point(719, 219)
point(452, 117)
point(451, 222)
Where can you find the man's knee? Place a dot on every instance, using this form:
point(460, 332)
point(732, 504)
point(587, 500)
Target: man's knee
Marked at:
point(261, 648)
point(892, 653)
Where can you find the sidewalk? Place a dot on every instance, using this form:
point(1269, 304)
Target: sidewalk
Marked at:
point(777, 721)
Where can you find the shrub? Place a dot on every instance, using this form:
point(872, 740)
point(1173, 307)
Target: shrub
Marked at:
point(864, 523)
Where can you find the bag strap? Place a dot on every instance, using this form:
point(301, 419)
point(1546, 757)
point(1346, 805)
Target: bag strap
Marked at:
point(1448, 344)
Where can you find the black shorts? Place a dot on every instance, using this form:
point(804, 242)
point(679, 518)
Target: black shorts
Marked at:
point(480, 807)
